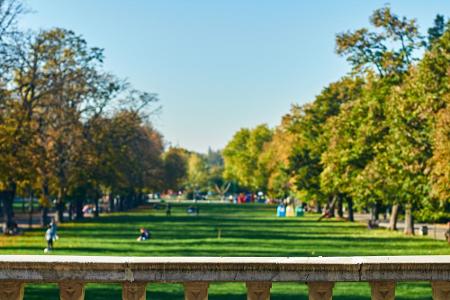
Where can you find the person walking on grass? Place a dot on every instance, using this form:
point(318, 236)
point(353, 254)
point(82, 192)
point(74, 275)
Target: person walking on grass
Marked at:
point(50, 237)
point(54, 228)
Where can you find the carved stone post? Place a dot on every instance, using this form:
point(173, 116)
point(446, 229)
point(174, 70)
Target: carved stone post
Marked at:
point(258, 290)
point(134, 290)
point(441, 290)
point(11, 290)
point(71, 290)
point(320, 290)
point(196, 290)
point(383, 290)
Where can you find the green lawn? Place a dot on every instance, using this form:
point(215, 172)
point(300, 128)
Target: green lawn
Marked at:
point(246, 230)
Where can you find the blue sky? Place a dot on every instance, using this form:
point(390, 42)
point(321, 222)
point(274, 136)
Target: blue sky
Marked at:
point(220, 65)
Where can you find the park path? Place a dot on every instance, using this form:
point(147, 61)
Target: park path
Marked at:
point(435, 231)
point(22, 219)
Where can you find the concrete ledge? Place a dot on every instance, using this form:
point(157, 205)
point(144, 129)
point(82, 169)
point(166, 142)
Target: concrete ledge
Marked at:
point(28, 268)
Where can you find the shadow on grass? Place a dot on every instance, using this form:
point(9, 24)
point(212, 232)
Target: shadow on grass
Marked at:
point(247, 230)
point(234, 291)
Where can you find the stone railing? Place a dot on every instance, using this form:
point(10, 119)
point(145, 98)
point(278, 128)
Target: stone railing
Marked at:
point(197, 273)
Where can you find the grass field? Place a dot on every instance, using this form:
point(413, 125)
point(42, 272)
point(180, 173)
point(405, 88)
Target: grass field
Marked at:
point(246, 230)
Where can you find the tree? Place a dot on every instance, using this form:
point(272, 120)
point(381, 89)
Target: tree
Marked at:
point(71, 70)
point(175, 168)
point(435, 32)
point(366, 49)
point(440, 176)
point(275, 159)
point(10, 11)
point(418, 121)
point(19, 110)
point(197, 175)
point(353, 136)
point(56, 94)
point(363, 130)
point(12, 133)
point(241, 158)
point(307, 125)
point(132, 160)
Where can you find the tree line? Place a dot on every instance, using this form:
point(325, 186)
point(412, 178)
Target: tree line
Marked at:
point(70, 132)
point(378, 138)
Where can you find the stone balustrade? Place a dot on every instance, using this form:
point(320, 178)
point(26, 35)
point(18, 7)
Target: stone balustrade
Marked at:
point(198, 273)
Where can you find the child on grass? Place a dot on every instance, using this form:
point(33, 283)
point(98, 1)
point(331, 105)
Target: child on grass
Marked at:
point(145, 235)
point(50, 236)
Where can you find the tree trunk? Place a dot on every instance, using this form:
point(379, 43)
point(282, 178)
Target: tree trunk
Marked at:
point(373, 213)
point(8, 213)
point(140, 198)
point(60, 206)
point(8, 196)
point(96, 212)
point(111, 202)
point(377, 210)
point(132, 200)
point(44, 216)
point(45, 204)
point(121, 206)
point(71, 211)
point(409, 220)
point(30, 211)
point(394, 217)
point(60, 213)
point(79, 209)
point(340, 210)
point(129, 204)
point(137, 200)
point(125, 202)
point(351, 218)
point(318, 208)
point(331, 205)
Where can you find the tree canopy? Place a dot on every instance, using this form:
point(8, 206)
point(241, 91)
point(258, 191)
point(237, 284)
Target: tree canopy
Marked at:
point(378, 137)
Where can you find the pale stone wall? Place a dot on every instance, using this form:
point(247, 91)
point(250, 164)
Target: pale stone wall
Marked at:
point(224, 269)
point(196, 273)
